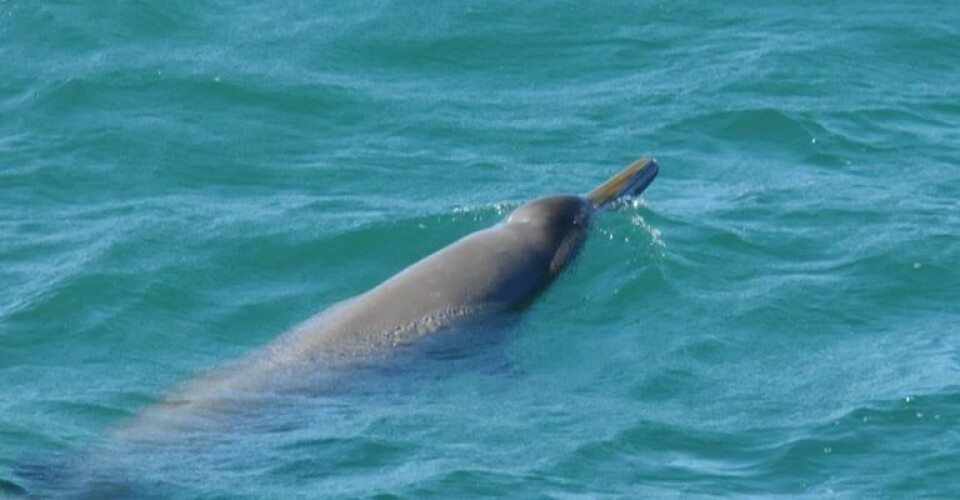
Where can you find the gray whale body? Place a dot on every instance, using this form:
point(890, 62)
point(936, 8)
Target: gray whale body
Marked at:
point(498, 269)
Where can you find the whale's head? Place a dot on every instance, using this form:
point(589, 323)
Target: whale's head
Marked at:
point(559, 224)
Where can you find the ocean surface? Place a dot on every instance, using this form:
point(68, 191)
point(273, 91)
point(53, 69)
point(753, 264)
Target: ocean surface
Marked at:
point(779, 314)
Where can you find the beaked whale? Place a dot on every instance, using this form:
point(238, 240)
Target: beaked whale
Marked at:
point(487, 274)
point(498, 269)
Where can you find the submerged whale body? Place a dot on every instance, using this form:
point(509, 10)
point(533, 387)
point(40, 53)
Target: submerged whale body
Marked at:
point(459, 291)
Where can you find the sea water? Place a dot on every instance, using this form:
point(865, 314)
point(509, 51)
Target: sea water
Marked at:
point(181, 182)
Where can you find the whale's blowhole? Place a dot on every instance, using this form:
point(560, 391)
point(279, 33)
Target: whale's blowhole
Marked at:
point(563, 220)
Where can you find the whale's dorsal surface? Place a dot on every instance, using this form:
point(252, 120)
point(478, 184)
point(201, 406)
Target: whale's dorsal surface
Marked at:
point(500, 268)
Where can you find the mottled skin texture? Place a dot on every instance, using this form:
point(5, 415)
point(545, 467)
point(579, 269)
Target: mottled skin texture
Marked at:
point(498, 268)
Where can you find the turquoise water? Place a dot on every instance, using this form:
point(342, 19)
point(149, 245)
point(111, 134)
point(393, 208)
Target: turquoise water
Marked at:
point(181, 182)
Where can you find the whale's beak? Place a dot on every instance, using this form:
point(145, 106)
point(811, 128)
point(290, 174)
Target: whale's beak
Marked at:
point(631, 181)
